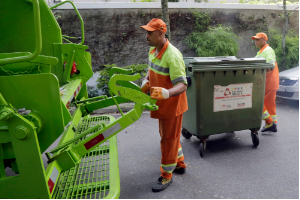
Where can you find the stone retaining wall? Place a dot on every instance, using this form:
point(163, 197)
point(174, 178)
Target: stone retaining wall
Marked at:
point(114, 34)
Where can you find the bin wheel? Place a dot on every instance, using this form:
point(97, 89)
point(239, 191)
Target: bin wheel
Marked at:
point(255, 139)
point(186, 134)
point(201, 149)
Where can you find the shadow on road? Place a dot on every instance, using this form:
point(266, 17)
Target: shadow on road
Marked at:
point(223, 143)
point(286, 102)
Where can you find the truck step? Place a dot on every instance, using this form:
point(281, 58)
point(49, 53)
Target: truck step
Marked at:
point(97, 175)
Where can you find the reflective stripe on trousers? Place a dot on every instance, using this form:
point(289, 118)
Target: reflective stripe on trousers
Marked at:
point(170, 131)
point(180, 153)
point(274, 117)
point(265, 115)
point(170, 167)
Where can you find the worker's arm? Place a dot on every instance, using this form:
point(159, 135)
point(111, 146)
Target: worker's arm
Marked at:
point(177, 89)
point(146, 84)
point(178, 79)
point(147, 76)
point(160, 93)
point(270, 57)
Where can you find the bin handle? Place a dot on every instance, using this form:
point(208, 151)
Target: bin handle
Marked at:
point(79, 16)
point(38, 38)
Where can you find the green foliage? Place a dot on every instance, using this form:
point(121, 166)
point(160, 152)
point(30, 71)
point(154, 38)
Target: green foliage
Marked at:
point(143, 1)
point(291, 48)
point(92, 91)
point(211, 41)
point(271, 2)
point(199, 1)
point(202, 20)
point(140, 69)
point(102, 81)
point(216, 41)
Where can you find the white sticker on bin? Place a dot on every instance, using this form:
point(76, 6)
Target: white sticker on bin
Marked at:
point(231, 97)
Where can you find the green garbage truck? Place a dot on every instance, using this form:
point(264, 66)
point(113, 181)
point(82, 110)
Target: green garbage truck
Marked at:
point(40, 77)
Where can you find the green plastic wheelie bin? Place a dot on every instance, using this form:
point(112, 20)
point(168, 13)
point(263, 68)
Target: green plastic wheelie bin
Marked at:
point(224, 94)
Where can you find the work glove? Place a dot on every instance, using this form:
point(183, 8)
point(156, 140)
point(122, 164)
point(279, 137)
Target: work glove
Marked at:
point(145, 86)
point(159, 93)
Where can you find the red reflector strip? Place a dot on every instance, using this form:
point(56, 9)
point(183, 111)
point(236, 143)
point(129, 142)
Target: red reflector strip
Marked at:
point(94, 141)
point(76, 92)
point(50, 185)
point(102, 136)
point(53, 178)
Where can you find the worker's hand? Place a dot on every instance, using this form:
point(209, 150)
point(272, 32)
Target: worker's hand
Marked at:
point(145, 86)
point(159, 93)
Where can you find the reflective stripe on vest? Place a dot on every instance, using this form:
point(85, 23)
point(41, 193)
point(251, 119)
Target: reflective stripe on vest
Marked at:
point(266, 115)
point(158, 68)
point(169, 168)
point(179, 79)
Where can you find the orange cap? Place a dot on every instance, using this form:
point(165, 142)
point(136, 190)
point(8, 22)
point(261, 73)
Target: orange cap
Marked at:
point(260, 35)
point(156, 24)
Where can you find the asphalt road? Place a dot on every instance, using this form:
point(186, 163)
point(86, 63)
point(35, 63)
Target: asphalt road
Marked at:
point(231, 167)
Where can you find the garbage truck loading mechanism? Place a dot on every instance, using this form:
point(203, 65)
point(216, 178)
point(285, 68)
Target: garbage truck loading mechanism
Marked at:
point(36, 90)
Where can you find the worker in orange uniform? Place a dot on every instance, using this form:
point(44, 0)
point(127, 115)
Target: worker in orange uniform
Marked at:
point(166, 81)
point(272, 81)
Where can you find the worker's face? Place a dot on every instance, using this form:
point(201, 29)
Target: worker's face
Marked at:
point(153, 37)
point(259, 43)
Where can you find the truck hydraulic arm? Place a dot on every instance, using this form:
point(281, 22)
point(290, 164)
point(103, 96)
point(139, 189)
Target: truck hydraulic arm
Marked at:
point(70, 153)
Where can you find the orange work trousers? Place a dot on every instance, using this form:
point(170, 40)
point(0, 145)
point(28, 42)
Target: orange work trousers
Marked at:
point(269, 112)
point(171, 151)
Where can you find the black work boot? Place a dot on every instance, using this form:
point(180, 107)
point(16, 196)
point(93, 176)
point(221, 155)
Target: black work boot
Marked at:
point(270, 127)
point(161, 184)
point(179, 170)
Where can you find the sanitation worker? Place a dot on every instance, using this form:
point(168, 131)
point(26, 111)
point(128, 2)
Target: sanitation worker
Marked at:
point(166, 81)
point(272, 81)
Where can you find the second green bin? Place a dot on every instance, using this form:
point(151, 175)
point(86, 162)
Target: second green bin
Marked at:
point(224, 95)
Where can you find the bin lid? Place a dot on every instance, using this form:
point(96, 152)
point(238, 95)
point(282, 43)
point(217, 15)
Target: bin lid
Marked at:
point(217, 58)
point(226, 63)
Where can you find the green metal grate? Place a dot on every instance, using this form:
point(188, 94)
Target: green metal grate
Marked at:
point(90, 122)
point(90, 179)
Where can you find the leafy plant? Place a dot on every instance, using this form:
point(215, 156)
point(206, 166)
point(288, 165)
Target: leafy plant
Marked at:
point(92, 91)
point(216, 41)
point(143, 1)
point(199, 1)
point(273, 2)
point(102, 81)
point(210, 41)
point(291, 48)
point(201, 21)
